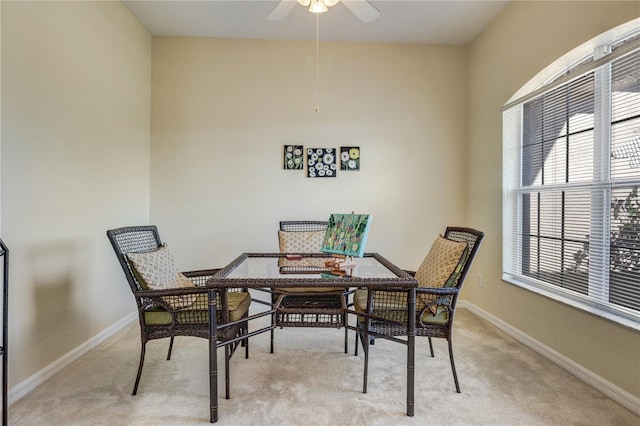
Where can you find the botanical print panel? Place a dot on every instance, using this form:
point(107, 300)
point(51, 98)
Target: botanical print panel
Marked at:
point(350, 158)
point(321, 162)
point(293, 157)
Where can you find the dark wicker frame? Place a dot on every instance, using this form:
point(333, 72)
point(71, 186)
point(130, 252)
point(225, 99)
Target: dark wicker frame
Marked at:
point(309, 309)
point(4, 253)
point(390, 322)
point(193, 321)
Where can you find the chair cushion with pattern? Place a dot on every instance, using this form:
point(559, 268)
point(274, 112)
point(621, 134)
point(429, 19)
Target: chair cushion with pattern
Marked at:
point(301, 242)
point(158, 271)
point(441, 266)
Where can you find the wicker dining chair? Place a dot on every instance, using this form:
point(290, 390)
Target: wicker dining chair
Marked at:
point(170, 312)
point(307, 307)
point(440, 278)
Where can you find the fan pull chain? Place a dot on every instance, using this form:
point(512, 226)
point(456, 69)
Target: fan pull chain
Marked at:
point(317, 44)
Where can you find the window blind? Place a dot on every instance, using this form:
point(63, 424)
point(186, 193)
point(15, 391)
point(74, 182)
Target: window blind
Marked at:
point(571, 174)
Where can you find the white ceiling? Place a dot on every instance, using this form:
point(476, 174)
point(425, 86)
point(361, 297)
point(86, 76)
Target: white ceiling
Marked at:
point(451, 22)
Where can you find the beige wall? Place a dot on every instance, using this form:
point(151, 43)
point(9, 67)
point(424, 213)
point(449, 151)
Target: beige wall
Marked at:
point(223, 109)
point(522, 41)
point(75, 162)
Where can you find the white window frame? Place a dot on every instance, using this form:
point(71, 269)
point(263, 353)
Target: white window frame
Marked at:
point(596, 301)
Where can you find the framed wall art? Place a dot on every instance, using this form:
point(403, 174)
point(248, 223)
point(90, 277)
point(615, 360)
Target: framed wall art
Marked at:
point(293, 157)
point(321, 162)
point(350, 158)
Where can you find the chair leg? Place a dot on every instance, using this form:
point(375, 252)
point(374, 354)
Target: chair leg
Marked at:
point(365, 349)
point(246, 342)
point(273, 322)
point(453, 367)
point(142, 351)
point(227, 385)
point(346, 333)
point(170, 349)
point(271, 341)
point(431, 347)
point(371, 339)
point(273, 325)
point(356, 343)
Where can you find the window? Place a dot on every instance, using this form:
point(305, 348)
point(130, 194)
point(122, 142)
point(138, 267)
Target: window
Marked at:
point(571, 185)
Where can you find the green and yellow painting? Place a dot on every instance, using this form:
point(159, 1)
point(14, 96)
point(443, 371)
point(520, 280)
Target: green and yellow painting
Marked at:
point(347, 234)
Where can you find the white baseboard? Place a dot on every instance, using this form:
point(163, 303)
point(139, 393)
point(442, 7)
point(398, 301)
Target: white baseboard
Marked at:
point(26, 386)
point(612, 391)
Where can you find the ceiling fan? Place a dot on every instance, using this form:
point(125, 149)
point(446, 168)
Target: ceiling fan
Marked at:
point(361, 8)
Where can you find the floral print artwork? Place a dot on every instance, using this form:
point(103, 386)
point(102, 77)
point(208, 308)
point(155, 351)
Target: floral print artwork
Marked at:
point(321, 162)
point(347, 234)
point(350, 158)
point(293, 157)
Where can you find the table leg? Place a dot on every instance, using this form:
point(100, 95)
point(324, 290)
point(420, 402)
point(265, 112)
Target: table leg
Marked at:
point(213, 357)
point(411, 346)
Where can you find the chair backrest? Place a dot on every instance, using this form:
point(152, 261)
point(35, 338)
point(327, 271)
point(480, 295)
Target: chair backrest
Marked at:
point(473, 238)
point(303, 225)
point(133, 239)
point(301, 236)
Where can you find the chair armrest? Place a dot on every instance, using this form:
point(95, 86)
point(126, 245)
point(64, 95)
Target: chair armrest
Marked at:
point(170, 292)
point(412, 273)
point(439, 291)
point(387, 289)
point(199, 278)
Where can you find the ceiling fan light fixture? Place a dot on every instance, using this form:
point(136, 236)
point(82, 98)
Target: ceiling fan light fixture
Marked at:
point(330, 3)
point(304, 2)
point(318, 6)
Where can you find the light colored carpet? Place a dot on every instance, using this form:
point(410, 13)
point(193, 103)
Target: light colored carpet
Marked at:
point(310, 381)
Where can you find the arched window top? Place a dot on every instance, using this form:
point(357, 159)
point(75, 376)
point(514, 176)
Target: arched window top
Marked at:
point(582, 55)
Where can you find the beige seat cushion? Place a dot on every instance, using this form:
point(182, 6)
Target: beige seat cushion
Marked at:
point(441, 316)
point(360, 305)
point(360, 300)
point(199, 313)
point(156, 270)
point(387, 304)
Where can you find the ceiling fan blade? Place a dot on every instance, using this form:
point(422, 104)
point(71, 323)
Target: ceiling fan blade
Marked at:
point(362, 9)
point(282, 10)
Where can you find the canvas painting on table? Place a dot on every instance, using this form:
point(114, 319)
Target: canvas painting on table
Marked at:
point(347, 234)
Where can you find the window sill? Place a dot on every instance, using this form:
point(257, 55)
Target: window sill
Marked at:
point(574, 302)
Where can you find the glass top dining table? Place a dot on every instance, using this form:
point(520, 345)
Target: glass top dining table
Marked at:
point(266, 270)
